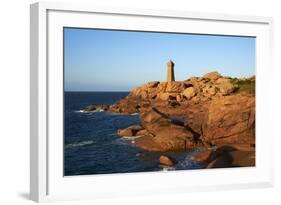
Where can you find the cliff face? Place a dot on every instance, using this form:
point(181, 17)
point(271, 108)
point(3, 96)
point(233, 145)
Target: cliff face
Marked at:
point(201, 111)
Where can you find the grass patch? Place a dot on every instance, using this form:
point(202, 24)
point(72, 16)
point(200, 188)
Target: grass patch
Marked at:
point(245, 85)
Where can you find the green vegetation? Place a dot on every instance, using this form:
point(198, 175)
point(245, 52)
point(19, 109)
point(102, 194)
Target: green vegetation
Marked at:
point(245, 84)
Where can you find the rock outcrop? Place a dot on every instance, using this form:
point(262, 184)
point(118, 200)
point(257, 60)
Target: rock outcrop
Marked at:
point(228, 156)
point(167, 161)
point(206, 111)
point(231, 120)
point(130, 131)
point(193, 90)
point(163, 134)
point(95, 108)
point(212, 75)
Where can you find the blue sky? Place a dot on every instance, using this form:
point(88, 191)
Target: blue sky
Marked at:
point(105, 60)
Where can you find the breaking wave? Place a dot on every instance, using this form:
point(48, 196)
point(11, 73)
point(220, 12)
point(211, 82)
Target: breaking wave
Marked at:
point(79, 144)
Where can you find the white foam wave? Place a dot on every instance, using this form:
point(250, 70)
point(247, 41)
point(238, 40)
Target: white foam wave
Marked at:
point(83, 111)
point(79, 144)
point(167, 168)
point(135, 113)
point(127, 140)
point(130, 137)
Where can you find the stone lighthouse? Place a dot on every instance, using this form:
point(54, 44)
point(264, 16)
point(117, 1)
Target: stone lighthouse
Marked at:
point(170, 71)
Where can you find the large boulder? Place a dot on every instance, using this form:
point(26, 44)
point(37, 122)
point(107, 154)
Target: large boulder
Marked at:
point(175, 87)
point(102, 107)
point(193, 80)
point(223, 80)
point(149, 85)
point(189, 93)
point(89, 108)
point(141, 132)
point(227, 156)
point(153, 84)
point(212, 76)
point(164, 135)
point(233, 159)
point(129, 131)
point(223, 161)
point(166, 96)
point(167, 160)
point(226, 88)
point(210, 155)
point(180, 98)
point(209, 90)
point(161, 87)
point(139, 92)
point(152, 116)
point(127, 105)
point(231, 120)
point(96, 108)
point(243, 158)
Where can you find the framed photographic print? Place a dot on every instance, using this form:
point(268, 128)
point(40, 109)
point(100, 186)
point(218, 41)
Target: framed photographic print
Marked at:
point(127, 102)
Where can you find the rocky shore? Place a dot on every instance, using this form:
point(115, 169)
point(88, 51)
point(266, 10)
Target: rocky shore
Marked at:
point(212, 111)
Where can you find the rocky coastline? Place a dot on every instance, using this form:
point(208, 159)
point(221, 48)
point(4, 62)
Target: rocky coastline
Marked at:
point(214, 112)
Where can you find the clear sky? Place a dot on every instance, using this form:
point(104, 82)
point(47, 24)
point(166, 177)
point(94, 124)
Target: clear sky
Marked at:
point(105, 60)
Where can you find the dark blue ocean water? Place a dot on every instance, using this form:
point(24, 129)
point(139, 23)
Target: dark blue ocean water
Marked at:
point(91, 145)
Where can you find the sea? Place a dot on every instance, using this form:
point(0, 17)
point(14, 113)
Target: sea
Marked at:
point(91, 145)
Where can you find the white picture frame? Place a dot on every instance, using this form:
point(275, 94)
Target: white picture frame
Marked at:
point(47, 182)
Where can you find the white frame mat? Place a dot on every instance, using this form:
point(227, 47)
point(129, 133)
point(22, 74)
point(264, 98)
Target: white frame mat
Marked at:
point(47, 182)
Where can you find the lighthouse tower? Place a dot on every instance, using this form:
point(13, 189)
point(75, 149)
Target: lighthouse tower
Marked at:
point(170, 71)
